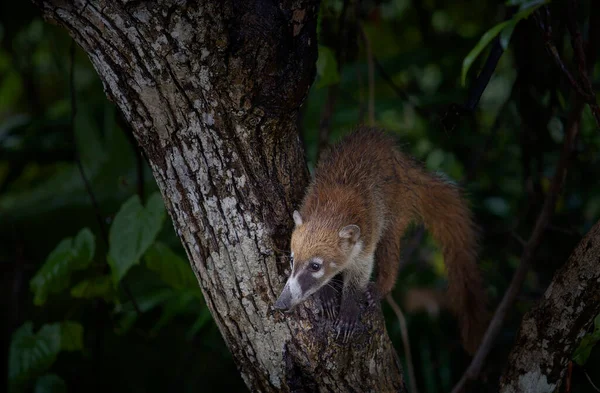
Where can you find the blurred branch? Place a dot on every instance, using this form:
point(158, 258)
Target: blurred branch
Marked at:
point(86, 182)
point(529, 251)
point(371, 69)
point(568, 377)
point(583, 85)
point(590, 381)
point(424, 21)
point(405, 342)
point(333, 90)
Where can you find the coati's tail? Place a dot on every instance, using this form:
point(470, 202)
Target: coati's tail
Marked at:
point(447, 217)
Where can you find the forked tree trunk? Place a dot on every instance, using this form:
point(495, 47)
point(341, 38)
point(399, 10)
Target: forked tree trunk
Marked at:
point(212, 91)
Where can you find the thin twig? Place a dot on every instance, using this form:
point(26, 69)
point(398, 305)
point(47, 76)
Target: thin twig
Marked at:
point(88, 187)
point(371, 70)
point(583, 87)
point(580, 56)
point(590, 381)
point(546, 28)
point(86, 182)
point(568, 377)
point(405, 342)
point(529, 251)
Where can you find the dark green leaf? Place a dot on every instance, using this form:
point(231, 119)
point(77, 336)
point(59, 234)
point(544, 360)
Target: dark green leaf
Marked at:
point(50, 383)
point(71, 336)
point(97, 287)
point(172, 269)
point(485, 39)
point(506, 28)
point(67, 257)
point(582, 353)
point(134, 229)
point(31, 354)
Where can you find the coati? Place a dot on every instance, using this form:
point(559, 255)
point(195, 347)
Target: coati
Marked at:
point(364, 194)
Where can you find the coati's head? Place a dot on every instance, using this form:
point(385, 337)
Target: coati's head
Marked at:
point(320, 251)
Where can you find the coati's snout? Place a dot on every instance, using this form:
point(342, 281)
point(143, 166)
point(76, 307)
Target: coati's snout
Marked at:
point(284, 302)
point(305, 280)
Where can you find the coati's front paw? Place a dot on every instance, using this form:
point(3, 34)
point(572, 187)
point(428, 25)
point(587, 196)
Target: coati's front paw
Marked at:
point(329, 305)
point(347, 321)
point(373, 295)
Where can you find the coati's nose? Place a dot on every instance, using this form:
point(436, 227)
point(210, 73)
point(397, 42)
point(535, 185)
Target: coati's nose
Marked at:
point(285, 299)
point(280, 305)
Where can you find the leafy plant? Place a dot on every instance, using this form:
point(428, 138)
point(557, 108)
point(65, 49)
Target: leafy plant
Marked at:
point(69, 255)
point(583, 351)
point(505, 29)
point(134, 229)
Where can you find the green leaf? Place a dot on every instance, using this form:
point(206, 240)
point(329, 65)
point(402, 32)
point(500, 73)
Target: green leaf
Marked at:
point(485, 39)
point(583, 351)
point(327, 68)
point(31, 354)
point(97, 287)
point(85, 245)
point(505, 28)
point(172, 269)
point(134, 229)
point(71, 336)
point(67, 257)
point(50, 383)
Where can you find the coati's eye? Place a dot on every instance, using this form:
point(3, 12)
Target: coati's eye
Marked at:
point(315, 267)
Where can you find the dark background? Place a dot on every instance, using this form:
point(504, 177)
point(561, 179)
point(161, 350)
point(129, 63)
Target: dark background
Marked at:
point(504, 153)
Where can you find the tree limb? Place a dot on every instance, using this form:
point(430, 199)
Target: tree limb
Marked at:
point(551, 331)
point(528, 253)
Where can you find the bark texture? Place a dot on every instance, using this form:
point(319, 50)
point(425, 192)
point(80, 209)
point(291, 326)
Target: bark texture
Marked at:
point(212, 91)
point(552, 330)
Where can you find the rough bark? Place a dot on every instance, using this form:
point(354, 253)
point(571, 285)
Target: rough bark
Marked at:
point(212, 91)
point(552, 330)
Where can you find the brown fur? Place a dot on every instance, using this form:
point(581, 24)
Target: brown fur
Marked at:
point(366, 181)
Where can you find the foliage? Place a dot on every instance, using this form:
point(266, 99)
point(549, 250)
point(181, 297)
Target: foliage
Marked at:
point(583, 351)
point(103, 287)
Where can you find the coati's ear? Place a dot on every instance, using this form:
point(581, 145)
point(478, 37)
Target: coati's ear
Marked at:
point(297, 218)
point(350, 232)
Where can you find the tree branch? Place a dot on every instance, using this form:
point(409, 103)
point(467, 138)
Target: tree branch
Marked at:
point(551, 331)
point(528, 253)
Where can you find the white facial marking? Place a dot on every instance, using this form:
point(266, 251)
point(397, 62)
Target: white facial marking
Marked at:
point(295, 289)
point(318, 274)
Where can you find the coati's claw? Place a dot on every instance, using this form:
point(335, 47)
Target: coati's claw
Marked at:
point(347, 320)
point(328, 302)
point(372, 295)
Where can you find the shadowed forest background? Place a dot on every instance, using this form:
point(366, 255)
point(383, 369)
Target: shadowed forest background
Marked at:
point(97, 290)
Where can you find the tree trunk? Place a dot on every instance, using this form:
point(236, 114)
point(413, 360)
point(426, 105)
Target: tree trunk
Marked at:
point(212, 91)
point(551, 331)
